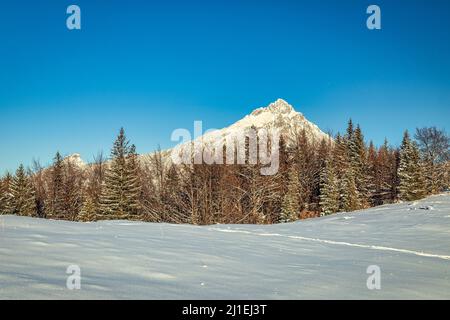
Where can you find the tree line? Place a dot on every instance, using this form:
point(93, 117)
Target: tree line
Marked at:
point(314, 178)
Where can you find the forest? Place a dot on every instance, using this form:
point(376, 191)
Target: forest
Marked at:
point(340, 174)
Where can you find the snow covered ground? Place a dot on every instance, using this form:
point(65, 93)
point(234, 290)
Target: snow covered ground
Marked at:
point(320, 258)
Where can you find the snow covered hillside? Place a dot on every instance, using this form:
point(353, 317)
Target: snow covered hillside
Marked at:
point(319, 258)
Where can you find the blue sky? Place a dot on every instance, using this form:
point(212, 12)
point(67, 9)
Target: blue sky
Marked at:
point(152, 67)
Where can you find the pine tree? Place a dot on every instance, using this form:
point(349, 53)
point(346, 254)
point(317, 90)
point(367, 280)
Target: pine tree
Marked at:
point(5, 194)
point(321, 155)
point(88, 210)
point(55, 206)
point(357, 162)
point(348, 192)
point(72, 200)
point(360, 168)
point(40, 190)
point(418, 186)
point(22, 200)
point(340, 156)
point(171, 199)
point(133, 183)
point(290, 208)
point(410, 171)
point(344, 153)
point(91, 208)
point(329, 191)
point(304, 162)
point(120, 193)
point(373, 175)
point(280, 185)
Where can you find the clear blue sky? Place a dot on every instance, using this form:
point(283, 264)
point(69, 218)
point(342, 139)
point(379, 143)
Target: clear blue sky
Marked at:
point(153, 66)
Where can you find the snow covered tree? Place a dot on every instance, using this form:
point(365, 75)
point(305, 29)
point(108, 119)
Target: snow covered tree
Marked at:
point(133, 183)
point(329, 190)
point(349, 197)
point(360, 168)
point(410, 171)
point(290, 208)
point(88, 210)
point(304, 161)
point(5, 194)
point(22, 200)
point(434, 145)
point(446, 176)
point(344, 170)
point(121, 190)
point(357, 162)
point(373, 174)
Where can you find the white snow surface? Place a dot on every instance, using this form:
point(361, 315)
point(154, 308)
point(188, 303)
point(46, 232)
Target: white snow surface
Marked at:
point(322, 258)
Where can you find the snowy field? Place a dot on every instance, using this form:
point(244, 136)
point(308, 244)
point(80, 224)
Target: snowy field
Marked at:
point(324, 258)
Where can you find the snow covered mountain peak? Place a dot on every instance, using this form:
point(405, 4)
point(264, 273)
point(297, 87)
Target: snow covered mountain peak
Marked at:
point(280, 115)
point(75, 159)
point(280, 106)
point(276, 107)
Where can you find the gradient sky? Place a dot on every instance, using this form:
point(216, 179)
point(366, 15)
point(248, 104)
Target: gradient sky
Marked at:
point(152, 67)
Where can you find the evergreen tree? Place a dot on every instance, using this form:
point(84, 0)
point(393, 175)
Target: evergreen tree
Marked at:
point(373, 174)
point(88, 210)
point(120, 193)
point(321, 155)
point(290, 208)
point(418, 190)
point(344, 155)
point(340, 156)
point(304, 162)
point(349, 200)
point(357, 162)
point(329, 191)
point(281, 187)
point(22, 200)
point(171, 195)
point(360, 168)
point(385, 175)
point(72, 200)
point(5, 194)
point(410, 171)
point(350, 131)
point(55, 206)
point(133, 183)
